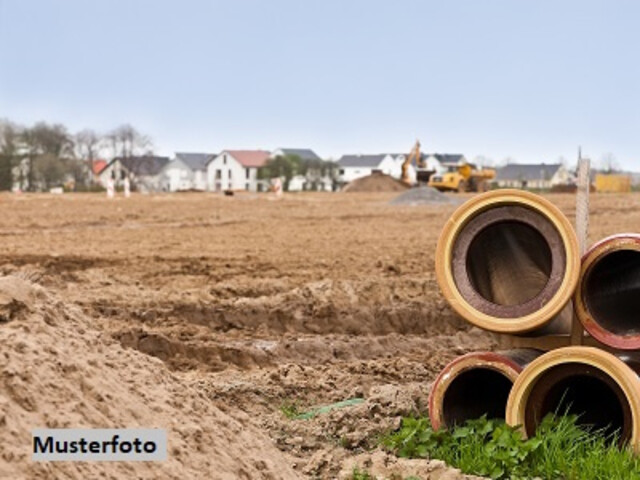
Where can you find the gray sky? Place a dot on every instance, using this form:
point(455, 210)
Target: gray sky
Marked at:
point(527, 80)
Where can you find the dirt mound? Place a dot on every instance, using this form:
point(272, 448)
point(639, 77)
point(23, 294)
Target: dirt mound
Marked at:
point(56, 371)
point(393, 379)
point(376, 182)
point(423, 196)
point(381, 465)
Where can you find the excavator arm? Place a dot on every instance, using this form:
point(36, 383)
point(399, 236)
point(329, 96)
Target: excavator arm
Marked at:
point(414, 155)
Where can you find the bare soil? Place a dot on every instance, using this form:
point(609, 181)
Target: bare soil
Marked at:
point(211, 315)
point(376, 182)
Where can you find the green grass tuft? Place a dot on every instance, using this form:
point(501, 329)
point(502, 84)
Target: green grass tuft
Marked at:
point(561, 449)
point(290, 409)
point(361, 475)
point(364, 475)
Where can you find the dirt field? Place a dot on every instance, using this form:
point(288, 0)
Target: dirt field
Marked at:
point(251, 304)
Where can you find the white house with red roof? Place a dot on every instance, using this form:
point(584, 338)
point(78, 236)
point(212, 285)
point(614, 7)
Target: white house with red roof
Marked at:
point(235, 170)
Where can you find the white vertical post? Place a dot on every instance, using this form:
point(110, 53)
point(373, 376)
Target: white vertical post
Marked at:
point(111, 188)
point(582, 230)
point(582, 204)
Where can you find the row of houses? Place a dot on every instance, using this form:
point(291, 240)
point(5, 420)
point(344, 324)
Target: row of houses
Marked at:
point(227, 170)
point(352, 167)
point(238, 170)
point(542, 176)
point(533, 176)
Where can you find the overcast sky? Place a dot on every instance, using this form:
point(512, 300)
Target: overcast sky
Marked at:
point(526, 80)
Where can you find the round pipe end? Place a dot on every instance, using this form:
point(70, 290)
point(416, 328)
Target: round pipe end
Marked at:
point(470, 386)
point(607, 298)
point(508, 261)
point(600, 388)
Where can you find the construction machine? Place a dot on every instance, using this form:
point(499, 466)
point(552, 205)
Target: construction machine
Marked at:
point(465, 177)
point(422, 174)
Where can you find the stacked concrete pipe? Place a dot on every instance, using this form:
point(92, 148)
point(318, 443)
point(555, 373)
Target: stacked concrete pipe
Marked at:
point(601, 388)
point(607, 300)
point(508, 262)
point(476, 384)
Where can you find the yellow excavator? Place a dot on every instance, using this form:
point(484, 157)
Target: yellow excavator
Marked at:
point(464, 177)
point(422, 174)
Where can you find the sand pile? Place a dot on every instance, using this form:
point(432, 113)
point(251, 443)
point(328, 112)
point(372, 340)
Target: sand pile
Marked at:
point(57, 371)
point(381, 465)
point(376, 182)
point(423, 196)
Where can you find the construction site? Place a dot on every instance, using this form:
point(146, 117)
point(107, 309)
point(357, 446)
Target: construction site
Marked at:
point(272, 337)
point(245, 240)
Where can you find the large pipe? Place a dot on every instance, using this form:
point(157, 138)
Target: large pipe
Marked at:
point(508, 262)
point(607, 300)
point(601, 389)
point(475, 384)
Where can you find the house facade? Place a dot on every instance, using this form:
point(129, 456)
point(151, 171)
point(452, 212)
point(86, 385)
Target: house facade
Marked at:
point(440, 162)
point(235, 170)
point(536, 176)
point(187, 171)
point(96, 167)
point(352, 167)
point(145, 173)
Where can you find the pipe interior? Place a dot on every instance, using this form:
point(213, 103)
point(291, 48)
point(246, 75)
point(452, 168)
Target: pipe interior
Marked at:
point(476, 392)
point(509, 263)
point(583, 390)
point(612, 292)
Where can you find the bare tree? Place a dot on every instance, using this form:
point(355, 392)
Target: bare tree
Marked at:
point(9, 137)
point(608, 163)
point(506, 161)
point(125, 141)
point(44, 140)
point(88, 145)
point(482, 161)
point(10, 152)
point(52, 139)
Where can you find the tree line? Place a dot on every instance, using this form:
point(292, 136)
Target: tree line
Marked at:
point(316, 172)
point(45, 155)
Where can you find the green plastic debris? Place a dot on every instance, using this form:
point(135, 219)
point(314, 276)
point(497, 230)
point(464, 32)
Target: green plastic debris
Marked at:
point(328, 408)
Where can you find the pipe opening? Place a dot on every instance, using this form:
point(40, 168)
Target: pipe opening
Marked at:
point(612, 292)
point(476, 392)
point(509, 263)
point(583, 390)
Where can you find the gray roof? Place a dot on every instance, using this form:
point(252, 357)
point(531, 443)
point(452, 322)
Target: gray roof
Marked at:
point(370, 161)
point(303, 153)
point(515, 171)
point(195, 161)
point(143, 166)
point(446, 157)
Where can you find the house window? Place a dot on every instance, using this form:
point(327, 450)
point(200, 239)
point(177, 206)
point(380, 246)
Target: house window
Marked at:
point(341, 171)
point(246, 186)
point(248, 173)
point(230, 174)
point(218, 174)
point(224, 159)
